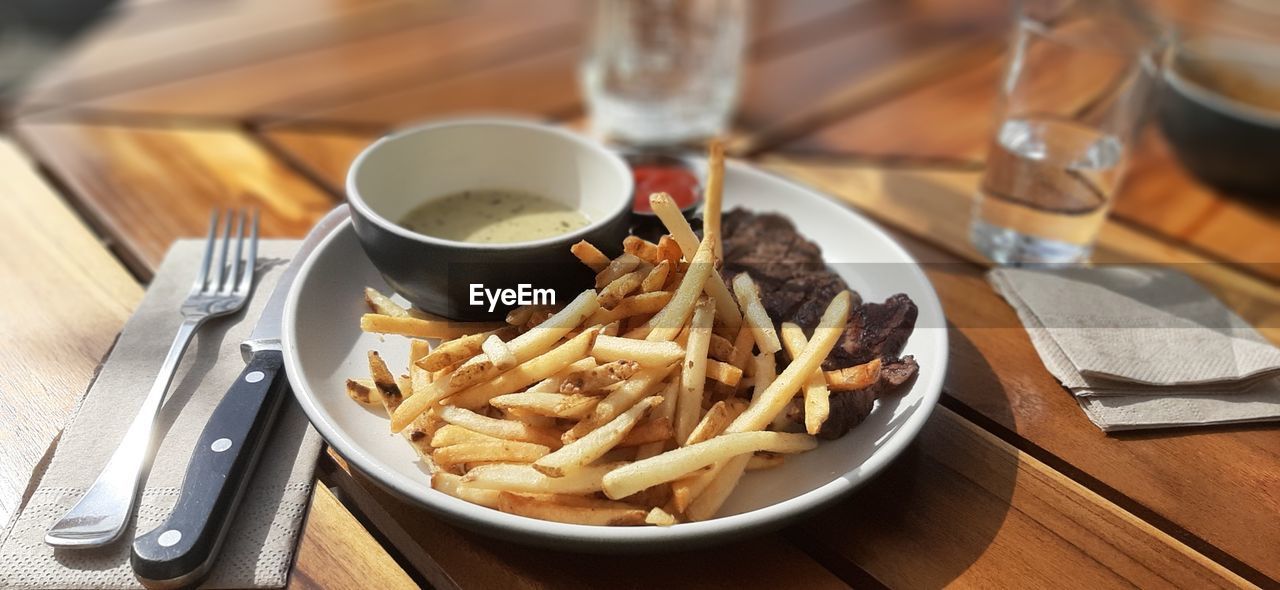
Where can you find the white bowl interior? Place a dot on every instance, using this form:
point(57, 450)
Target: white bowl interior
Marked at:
point(324, 346)
point(402, 170)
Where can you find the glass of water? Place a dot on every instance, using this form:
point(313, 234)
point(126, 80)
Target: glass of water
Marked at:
point(1076, 88)
point(661, 72)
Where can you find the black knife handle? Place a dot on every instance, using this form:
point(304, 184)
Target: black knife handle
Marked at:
point(179, 553)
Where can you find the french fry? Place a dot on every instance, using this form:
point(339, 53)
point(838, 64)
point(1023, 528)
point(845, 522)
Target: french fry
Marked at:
point(659, 517)
point(520, 315)
point(530, 418)
point(590, 255)
point(641, 248)
point(420, 328)
point(598, 378)
point(667, 210)
point(694, 370)
point(714, 195)
point(452, 484)
point(405, 385)
point(643, 303)
point(524, 478)
point(506, 451)
point(364, 392)
point(525, 347)
point(665, 412)
point(384, 382)
point(654, 430)
point(498, 352)
point(817, 398)
point(767, 404)
point(713, 423)
point(452, 352)
point(657, 277)
point(855, 377)
point(669, 249)
point(707, 503)
point(452, 434)
point(617, 267)
point(552, 384)
point(668, 322)
point(554, 405)
point(760, 461)
point(381, 304)
point(586, 449)
point(498, 428)
point(673, 464)
point(527, 373)
point(723, 372)
point(614, 292)
point(742, 346)
point(618, 401)
point(645, 353)
point(721, 349)
point(754, 315)
point(600, 513)
point(537, 316)
point(419, 378)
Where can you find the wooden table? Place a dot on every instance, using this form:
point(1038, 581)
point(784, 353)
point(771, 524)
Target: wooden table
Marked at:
point(171, 108)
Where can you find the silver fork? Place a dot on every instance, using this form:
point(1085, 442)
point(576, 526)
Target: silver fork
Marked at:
point(220, 289)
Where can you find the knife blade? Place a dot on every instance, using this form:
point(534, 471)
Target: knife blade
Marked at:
point(180, 552)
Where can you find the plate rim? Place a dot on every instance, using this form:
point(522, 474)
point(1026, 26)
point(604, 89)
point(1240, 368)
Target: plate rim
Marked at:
point(516, 527)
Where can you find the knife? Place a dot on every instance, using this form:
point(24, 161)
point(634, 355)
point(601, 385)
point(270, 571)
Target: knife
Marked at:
point(180, 552)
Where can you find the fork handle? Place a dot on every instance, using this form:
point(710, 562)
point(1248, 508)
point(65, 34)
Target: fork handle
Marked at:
point(104, 510)
point(180, 551)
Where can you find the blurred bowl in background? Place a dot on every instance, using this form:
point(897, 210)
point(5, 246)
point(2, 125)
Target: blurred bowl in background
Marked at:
point(1220, 111)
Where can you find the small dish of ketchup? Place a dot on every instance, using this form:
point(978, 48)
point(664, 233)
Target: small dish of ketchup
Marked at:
point(662, 173)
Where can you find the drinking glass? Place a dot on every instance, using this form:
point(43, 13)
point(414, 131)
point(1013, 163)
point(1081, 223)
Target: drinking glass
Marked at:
point(662, 72)
point(1076, 87)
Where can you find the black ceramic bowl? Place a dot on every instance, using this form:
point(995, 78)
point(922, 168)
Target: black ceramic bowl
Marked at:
point(402, 170)
point(1228, 143)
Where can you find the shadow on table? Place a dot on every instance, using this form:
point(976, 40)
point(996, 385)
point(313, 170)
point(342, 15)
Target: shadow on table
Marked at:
point(932, 513)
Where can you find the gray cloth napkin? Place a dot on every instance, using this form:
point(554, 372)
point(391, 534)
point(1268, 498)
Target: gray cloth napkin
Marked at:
point(259, 547)
point(1144, 347)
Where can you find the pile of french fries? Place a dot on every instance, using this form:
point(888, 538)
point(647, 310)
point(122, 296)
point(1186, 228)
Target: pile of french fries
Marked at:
point(642, 401)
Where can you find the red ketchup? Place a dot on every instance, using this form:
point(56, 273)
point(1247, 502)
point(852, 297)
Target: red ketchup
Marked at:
point(676, 181)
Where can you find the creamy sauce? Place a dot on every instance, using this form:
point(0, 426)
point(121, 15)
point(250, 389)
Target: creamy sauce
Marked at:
point(493, 216)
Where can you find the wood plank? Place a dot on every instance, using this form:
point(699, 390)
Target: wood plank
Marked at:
point(541, 85)
point(65, 300)
point(1176, 476)
point(484, 34)
point(450, 557)
point(335, 551)
point(116, 56)
point(964, 509)
point(782, 97)
point(144, 187)
point(325, 153)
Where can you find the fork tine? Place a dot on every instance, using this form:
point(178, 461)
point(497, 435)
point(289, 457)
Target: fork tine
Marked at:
point(203, 277)
point(251, 261)
point(234, 275)
point(221, 268)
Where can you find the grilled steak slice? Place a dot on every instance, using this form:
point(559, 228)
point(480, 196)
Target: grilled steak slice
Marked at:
point(875, 330)
point(850, 408)
point(796, 286)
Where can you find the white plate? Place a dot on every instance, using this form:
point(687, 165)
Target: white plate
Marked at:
point(324, 346)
